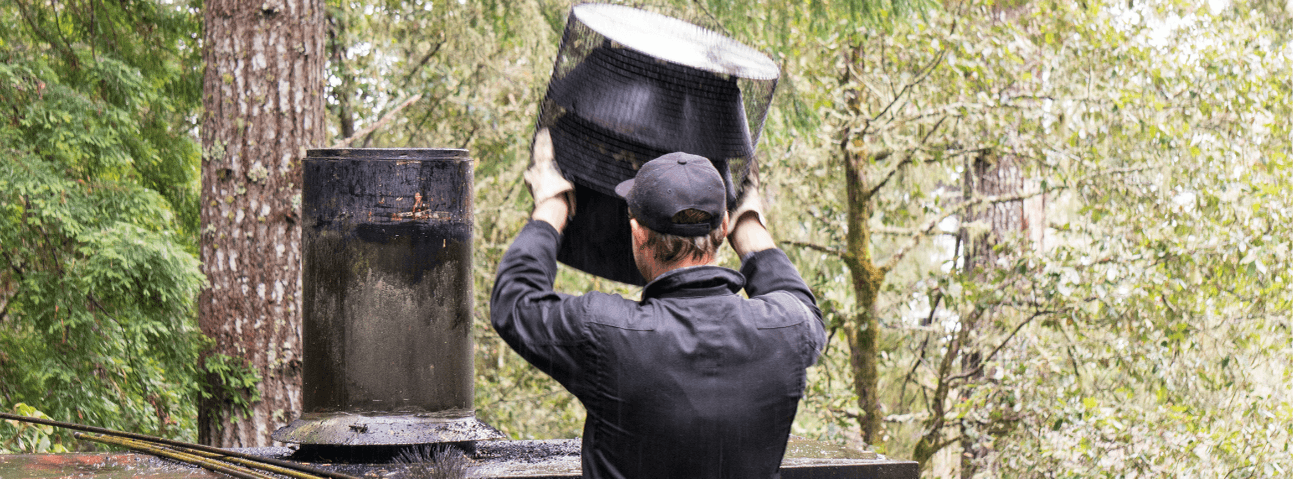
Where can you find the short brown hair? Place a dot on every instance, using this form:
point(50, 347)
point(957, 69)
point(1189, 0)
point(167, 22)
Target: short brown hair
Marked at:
point(669, 249)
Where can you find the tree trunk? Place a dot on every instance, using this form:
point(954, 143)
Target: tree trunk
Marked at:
point(344, 92)
point(867, 279)
point(863, 333)
point(991, 175)
point(988, 175)
point(994, 175)
point(263, 100)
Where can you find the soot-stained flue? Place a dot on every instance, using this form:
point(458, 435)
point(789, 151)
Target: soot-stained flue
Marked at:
point(387, 299)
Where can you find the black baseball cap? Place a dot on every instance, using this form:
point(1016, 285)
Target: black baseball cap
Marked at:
point(673, 183)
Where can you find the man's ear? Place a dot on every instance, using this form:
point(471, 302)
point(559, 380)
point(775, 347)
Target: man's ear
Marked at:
point(727, 224)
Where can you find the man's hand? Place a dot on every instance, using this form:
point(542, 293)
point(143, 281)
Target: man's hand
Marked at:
point(554, 195)
point(751, 200)
point(749, 232)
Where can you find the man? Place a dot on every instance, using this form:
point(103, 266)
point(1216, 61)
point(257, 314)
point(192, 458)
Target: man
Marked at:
point(692, 380)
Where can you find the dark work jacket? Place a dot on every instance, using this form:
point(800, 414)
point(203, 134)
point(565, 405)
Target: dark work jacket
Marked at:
point(693, 381)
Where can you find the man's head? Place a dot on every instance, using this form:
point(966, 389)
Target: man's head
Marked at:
point(678, 206)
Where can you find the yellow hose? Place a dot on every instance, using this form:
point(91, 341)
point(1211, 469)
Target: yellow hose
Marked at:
point(214, 465)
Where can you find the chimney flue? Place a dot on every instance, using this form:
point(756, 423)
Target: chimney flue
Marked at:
point(387, 297)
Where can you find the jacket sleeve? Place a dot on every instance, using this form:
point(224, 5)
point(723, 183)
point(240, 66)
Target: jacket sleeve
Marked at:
point(533, 319)
point(769, 271)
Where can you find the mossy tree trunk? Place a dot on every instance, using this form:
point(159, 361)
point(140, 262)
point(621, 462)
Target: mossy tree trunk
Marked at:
point(863, 331)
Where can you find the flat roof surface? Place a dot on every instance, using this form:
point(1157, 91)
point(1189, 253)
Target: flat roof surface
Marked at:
point(493, 459)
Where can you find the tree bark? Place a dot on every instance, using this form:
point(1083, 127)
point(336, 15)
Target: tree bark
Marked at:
point(863, 333)
point(867, 279)
point(998, 175)
point(263, 100)
point(991, 175)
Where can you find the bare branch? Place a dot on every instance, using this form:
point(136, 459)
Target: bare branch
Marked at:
point(471, 135)
point(895, 231)
point(373, 127)
point(824, 249)
point(941, 445)
point(953, 349)
point(829, 337)
point(906, 159)
point(426, 58)
point(1114, 171)
point(1020, 326)
point(911, 375)
point(717, 23)
point(957, 152)
point(951, 109)
point(872, 88)
point(13, 265)
point(435, 104)
point(902, 157)
point(925, 71)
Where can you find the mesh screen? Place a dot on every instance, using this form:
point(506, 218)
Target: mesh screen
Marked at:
point(628, 86)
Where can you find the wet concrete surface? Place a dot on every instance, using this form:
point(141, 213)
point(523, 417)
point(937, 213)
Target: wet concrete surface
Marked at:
point(344, 430)
point(105, 466)
point(557, 458)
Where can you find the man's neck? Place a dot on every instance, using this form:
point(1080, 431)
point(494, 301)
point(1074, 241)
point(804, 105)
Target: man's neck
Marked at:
point(683, 263)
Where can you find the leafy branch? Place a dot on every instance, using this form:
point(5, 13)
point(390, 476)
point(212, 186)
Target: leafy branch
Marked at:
point(425, 58)
point(929, 226)
point(232, 380)
point(920, 77)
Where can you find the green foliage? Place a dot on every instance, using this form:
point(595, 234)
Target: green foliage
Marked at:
point(24, 437)
point(1147, 335)
point(1152, 320)
point(232, 380)
point(512, 395)
point(478, 66)
point(98, 213)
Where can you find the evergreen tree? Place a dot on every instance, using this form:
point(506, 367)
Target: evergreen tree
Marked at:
point(98, 214)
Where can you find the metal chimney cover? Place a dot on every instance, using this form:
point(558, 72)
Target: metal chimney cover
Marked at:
point(674, 40)
point(628, 86)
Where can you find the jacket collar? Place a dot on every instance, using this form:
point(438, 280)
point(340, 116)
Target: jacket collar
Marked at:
point(694, 281)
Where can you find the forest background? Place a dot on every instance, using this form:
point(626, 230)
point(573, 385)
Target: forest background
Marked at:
point(1049, 238)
